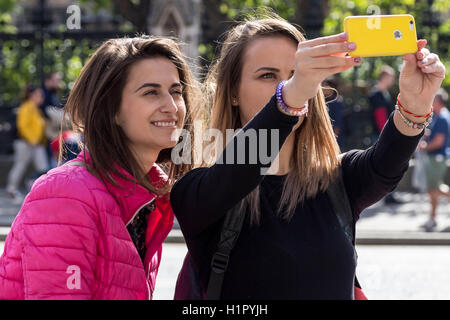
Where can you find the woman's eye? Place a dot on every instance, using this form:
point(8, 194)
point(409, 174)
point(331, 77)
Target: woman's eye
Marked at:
point(152, 92)
point(268, 75)
point(177, 92)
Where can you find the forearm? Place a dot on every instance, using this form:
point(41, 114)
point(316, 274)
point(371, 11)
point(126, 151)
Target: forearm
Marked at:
point(204, 195)
point(395, 147)
point(403, 127)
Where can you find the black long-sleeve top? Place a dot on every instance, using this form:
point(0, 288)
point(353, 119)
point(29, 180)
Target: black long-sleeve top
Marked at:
point(308, 257)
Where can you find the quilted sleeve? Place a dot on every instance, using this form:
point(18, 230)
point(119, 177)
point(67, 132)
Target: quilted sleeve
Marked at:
point(59, 244)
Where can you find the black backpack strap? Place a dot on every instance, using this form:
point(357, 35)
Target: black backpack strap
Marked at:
point(341, 205)
point(231, 228)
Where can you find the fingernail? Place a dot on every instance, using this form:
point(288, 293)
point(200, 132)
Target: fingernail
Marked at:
point(357, 60)
point(426, 68)
point(351, 46)
point(343, 35)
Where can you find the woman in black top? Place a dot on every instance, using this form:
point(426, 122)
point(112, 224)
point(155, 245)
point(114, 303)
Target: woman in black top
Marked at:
point(291, 245)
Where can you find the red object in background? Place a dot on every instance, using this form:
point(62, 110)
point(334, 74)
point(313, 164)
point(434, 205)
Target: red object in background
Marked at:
point(359, 294)
point(66, 136)
point(381, 117)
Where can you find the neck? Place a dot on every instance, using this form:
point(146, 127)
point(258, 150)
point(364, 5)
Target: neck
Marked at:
point(146, 159)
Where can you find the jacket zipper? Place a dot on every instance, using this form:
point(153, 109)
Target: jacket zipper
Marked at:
point(140, 208)
point(148, 273)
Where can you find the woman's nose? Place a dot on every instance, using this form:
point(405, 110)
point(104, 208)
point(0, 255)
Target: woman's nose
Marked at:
point(169, 105)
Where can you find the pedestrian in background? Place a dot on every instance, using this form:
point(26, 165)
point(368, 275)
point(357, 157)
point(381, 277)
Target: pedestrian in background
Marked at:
point(434, 148)
point(380, 100)
point(53, 111)
point(66, 146)
point(382, 106)
point(29, 147)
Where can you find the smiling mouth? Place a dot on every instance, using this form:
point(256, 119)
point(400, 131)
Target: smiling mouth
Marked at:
point(163, 124)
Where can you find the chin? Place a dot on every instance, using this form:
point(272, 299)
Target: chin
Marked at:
point(168, 144)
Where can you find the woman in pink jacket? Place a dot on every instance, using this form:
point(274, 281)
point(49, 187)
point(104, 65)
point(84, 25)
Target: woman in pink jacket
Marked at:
point(93, 228)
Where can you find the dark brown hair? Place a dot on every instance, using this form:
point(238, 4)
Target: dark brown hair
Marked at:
point(96, 98)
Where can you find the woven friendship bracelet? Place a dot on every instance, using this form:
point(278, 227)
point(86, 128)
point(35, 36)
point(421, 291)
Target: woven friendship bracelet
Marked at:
point(410, 113)
point(289, 110)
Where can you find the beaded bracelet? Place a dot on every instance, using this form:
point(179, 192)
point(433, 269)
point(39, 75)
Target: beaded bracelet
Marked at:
point(287, 109)
point(415, 125)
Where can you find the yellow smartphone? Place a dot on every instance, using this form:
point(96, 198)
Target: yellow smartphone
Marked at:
point(381, 35)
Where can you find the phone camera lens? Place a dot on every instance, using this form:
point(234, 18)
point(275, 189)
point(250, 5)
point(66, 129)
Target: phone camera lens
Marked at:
point(410, 22)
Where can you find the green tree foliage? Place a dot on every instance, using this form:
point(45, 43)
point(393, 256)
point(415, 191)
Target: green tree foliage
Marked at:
point(18, 57)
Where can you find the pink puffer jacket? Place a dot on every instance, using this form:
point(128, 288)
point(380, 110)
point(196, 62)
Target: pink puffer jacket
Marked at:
point(70, 241)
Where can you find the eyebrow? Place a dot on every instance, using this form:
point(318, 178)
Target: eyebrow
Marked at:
point(268, 69)
point(157, 85)
point(271, 69)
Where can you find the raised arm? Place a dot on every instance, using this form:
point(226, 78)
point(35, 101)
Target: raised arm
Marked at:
point(204, 195)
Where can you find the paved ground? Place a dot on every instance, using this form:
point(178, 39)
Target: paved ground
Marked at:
point(8, 208)
point(406, 217)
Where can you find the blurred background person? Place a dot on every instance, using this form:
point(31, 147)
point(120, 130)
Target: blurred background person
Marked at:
point(434, 146)
point(70, 143)
point(335, 106)
point(380, 100)
point(381, 105)
point(53, 112)
point(30, 143)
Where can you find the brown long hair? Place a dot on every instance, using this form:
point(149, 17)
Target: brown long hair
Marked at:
point(315, 158)
point(96, 98)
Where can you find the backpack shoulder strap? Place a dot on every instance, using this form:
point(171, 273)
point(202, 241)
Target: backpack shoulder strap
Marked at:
point(231, 228)
point(341, 205)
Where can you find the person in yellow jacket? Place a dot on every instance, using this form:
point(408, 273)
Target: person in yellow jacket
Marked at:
point(30, 143)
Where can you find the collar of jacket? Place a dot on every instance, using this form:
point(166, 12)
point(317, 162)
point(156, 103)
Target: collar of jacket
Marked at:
point(132, 197)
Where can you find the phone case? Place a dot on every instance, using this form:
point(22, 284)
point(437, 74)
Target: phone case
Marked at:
point(381, 35)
